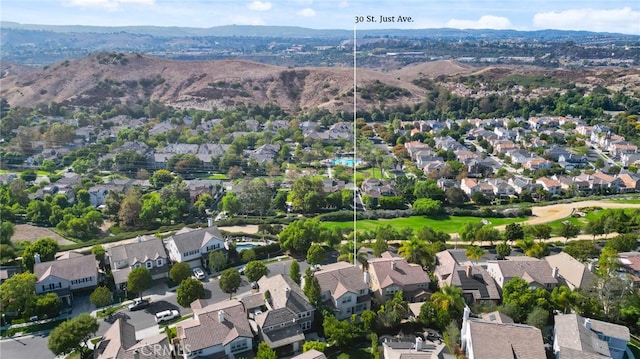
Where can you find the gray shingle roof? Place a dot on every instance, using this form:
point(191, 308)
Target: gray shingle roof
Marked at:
point(575, 273)
point(205, 330)
point(530, 269)
point(277, 285)
point(338, 278)
point(397, 271)
point(69, 269)
point(195, 239)
point(505, 341)
point(119, 342)
point(476, 281)
point(572, 333)
point(138, 252)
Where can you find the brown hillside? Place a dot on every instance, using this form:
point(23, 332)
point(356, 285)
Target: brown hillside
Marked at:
point(433, 69)
point(105, 77)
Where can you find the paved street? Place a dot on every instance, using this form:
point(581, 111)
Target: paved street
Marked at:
point(143, 320)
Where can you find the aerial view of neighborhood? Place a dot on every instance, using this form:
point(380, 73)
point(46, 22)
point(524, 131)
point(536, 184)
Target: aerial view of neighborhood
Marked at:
point(319, 179)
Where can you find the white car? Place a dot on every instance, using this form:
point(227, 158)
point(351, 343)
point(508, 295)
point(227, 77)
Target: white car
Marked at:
point(199, 273)
point(167, 315)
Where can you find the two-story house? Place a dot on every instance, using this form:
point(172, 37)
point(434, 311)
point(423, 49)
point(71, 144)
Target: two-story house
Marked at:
point(148, 252)
point(536, 272)
point(570, 271)
point(289, 314)
point(68, 273)
point(476, 283)
point(390, 274)
point(344, 288)
point(218, 330)
point(578, 337)
point(119, 341)
point(193, 245)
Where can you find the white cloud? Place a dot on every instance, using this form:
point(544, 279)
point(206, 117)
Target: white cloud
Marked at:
point(259, 6)
point(308, 12)
point(305, 2)
point(106, 4)
point(343, 4)
point(623, 20)
point(246, 20)
point(484, 22)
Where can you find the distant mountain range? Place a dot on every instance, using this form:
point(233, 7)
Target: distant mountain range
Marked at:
point(300, 32)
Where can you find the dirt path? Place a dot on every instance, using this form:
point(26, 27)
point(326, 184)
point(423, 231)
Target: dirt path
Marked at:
point(248, 229)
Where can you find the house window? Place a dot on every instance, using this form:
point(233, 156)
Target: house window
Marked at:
point(149, 264)
point(305, 325)
point(159, 262)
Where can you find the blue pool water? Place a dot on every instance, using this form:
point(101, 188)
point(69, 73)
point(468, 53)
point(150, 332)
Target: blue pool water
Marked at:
point(244, 246)
point(344, 161)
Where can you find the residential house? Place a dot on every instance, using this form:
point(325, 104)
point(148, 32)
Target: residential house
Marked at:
point(345, 288)
point(147, 251)
point(631, 263)
point(120, 342)
point(536, 272)
point(476, 283)
point(289, 314)
point(449, 144)
point(377, 188)
point(537, 163)
point(520, 184)
point(193, 245)
point(469, 186)
point(483, 339)
point(504, 147)
point(435, 168)
point(570, 272)
point(617, 149)
point(219, 330)
point(520, 156)
point(68, 273)
point(390, 274)
point(501, 188)
point(630, 182)
point(579, 337)
point(550, 185)
point(415, 146)
point(310, 354)
point(413, 347)
point(7, 272)
point(266, 153)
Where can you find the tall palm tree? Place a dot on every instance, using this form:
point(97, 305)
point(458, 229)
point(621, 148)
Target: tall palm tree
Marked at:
point(415, 251)
point(449, 297)
point(475, 252)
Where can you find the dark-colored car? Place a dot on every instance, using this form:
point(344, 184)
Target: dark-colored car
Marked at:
point(138, 304)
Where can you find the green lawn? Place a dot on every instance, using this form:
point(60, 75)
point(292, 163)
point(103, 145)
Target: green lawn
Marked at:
point(627, 201)
point(218, 176)
point(448, 225)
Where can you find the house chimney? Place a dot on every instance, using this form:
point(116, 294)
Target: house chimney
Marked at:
point(587, 323)
point(466, 314)
point(221, 316)
point(393, 265)
point(287, 291)
point(418, 344)
point(467, 270)
point(36, 257)
point(136, 354)
point(210, 222)
point(554, 273)
point(366, 277)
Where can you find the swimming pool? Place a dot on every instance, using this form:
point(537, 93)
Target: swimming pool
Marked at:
point(245, 246)
point(344, 161)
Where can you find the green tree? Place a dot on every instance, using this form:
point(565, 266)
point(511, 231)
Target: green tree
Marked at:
point(487, 234)
point(538, 250)
point(294, 272)
point(231, 204)
point(513, 232)
point(316, 254)
point(503, 249)
point(217, 260)
point(101, 297)
point(73, 335)
point(100, 254)
point(475, 253)
point(264, 352)
point(256, 196)
point(306, 194)
point(179, 272)
point(7, 229)
point(189, 290)
point(18, 292)
point(7, 253)
point(451, 336)
point(517, 294)
point(299, 235)
point(314, 345)
point(538, 318)
point(161, 178)
point(130, 208)
point(468, 232)
point(379, 246)
point(248, 255)
point(626, 242)
point(582, 250)
point(393, 311)
point(139, 280)
point(369, 318)
point(230, 281)
point(455, 197)
point(416, 251)
point(48, 305)
point(312, 288)
point(568, 230)
point(541, 231)
point(594, 227)
point(340, 333)
point(255, 270)
point(46, 248)
point(449, 299)
point(427, 207)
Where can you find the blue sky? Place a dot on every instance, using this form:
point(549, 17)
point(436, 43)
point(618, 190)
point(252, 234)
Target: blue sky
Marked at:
point(609, 15)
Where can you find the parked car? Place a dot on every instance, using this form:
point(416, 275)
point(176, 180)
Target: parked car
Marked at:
point(199, 273)
point(241, 269)
point(138, 304)
point(167, 315)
